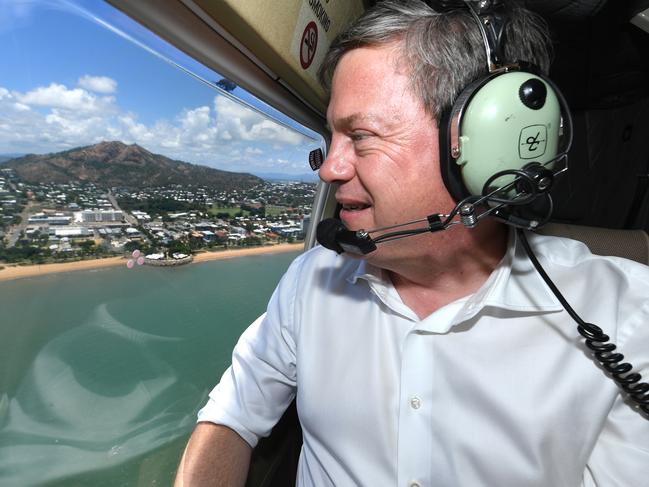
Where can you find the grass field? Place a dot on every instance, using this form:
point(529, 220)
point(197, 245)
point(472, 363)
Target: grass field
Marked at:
point(272, 210)
point(230, 211)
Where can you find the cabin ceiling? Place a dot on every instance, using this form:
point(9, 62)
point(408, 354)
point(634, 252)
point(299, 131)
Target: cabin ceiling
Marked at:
point(600, 57)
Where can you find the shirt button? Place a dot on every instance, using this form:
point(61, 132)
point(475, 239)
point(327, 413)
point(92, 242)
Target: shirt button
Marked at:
point(415, 403)
point(414, 484)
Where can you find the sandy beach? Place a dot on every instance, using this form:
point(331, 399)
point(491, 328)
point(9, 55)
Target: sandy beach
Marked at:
point(17, 272)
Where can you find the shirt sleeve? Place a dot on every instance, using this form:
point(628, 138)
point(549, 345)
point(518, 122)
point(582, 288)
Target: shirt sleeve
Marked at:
point(257, 388)
point(620, 457)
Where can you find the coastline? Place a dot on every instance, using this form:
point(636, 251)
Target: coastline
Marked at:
point(10, 273)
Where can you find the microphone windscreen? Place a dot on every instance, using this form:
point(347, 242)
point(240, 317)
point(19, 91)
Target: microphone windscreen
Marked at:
point(326, 233)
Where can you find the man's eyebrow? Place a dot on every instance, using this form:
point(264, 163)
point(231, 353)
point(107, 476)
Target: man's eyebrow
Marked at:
point(349, 120)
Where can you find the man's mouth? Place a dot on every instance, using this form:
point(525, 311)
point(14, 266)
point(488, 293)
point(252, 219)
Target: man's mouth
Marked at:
point(355, 207)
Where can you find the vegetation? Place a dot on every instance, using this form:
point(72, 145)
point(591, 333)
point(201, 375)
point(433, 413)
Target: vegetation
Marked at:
point(159, 206)
point(24, 253)
point(275, 210)
point(227, 212)
point(179, 246)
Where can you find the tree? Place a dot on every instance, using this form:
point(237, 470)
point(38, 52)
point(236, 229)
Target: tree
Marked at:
point(87, 246)
point(252, 241)
point(131, 246)
point(178, 246)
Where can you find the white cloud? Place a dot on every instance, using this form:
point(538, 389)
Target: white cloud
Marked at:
point(133, 130)
point(98, 84)
point(225, 134)
point(242, 123)
point(196, 119)
point(59, 96)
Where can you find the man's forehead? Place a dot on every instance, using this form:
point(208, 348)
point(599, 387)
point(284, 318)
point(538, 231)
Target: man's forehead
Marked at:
point(369, 117)
point(363, 117)
point(367, 83)
point(366, 60)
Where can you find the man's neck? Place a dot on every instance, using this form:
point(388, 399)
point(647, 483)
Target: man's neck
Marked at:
point(457, 266)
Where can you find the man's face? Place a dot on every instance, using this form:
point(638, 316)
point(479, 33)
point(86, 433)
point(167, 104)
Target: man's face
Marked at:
point(384, 153)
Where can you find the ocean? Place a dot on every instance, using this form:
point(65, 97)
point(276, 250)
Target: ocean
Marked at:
point(102, 372)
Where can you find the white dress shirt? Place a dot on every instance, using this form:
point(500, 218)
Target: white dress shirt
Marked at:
point(495, 389)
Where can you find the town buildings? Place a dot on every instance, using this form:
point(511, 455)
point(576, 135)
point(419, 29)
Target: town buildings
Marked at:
point(49, 221)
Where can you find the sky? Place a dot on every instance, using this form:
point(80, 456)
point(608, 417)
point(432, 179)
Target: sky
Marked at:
point(67, 80)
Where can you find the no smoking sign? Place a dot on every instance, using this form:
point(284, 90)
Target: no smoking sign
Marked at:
point(308, 44)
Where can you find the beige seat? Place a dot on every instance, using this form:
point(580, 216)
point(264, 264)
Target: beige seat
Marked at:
point(630, 244)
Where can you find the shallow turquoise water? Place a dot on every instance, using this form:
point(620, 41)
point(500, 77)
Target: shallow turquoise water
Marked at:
point(102, 372)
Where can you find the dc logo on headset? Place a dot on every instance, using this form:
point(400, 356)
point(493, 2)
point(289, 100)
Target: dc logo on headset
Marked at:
point(533, 142)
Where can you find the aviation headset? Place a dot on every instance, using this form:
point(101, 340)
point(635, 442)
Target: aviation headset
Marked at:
point(512, 123)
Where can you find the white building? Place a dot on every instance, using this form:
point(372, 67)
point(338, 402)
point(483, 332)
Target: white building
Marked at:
point(238, 231)
point(71, 232)
point(140, 215)
point(57, 219)
point(98, 216)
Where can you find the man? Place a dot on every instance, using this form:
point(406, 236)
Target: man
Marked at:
point(440, 359)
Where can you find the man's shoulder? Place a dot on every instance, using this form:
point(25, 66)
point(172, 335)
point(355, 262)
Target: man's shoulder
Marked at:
point(570, 253)
point(321, 262)
point(317, 276)
point(607, 290)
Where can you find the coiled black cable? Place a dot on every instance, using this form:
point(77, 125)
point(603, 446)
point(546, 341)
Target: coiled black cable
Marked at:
point(599, 343)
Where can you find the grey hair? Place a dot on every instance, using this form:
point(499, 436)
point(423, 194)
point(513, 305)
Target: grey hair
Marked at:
point(443, 52)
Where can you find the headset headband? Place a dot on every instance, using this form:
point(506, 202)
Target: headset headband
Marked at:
point(491, 18)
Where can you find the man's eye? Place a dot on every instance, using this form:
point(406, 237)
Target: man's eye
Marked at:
point(356, 136)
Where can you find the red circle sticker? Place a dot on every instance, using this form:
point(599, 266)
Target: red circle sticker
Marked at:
point(308, 44)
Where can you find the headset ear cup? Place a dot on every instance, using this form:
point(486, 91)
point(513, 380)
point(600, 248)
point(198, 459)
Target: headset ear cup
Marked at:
point(500, 122)
point(451, 171)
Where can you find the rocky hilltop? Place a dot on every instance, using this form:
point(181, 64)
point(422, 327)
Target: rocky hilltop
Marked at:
point(115, 164)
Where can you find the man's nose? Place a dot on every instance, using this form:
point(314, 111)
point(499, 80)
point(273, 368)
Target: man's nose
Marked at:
point(338, 167)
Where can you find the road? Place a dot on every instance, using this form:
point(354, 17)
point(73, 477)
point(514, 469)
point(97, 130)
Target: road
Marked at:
point(130, 219)
point(14, 233)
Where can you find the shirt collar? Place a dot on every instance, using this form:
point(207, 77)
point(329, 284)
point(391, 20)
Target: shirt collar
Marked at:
point(514, 285)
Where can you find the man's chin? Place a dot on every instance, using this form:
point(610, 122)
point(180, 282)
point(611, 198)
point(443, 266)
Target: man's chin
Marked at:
point(357, 219)
point(393, 252)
